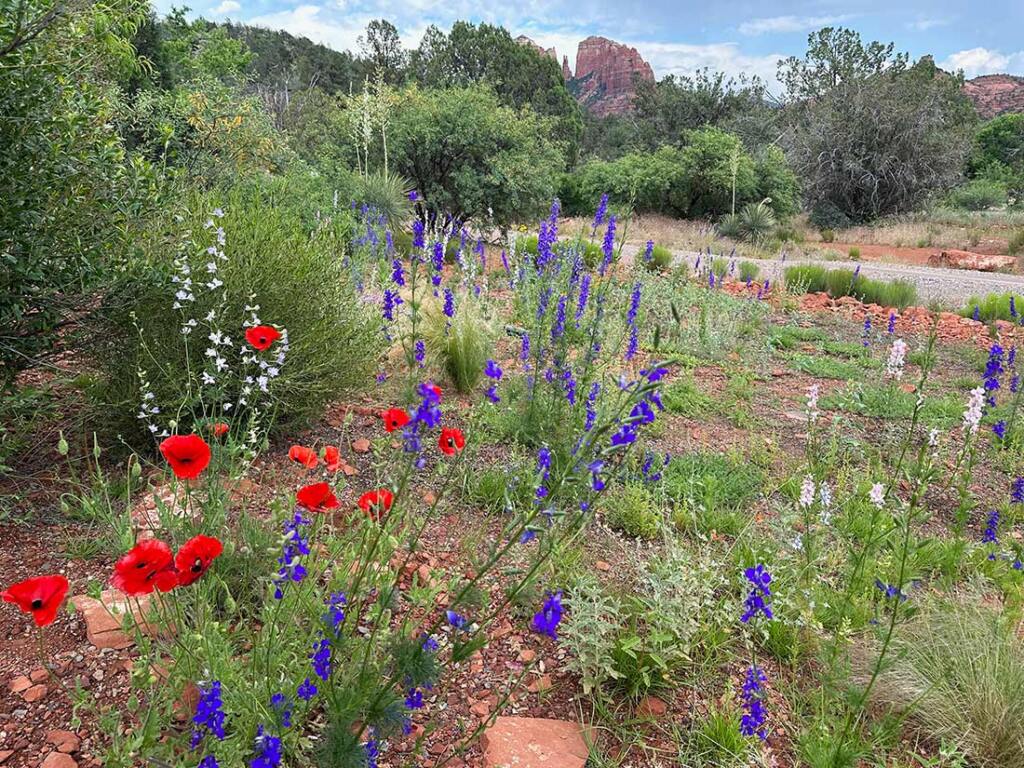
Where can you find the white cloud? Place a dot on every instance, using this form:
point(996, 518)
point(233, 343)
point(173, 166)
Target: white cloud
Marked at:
point(784, 24)
point(226, 6)
point(924, 24)
point(308, 21)
point(982, 61)
point(685, 59)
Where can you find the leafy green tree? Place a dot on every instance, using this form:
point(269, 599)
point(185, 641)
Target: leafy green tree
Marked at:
point(472, 157)
point(998, 152)
point(869, 134)
point(382, 49)
point(717, 170)
point(70, 193)
point(519, 75)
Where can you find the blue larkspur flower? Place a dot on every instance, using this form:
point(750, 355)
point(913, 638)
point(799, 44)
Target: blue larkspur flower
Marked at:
point(581, 302)
point(397, 275)
point(547, 619)
point(753, 719)
point(559, 327)
point(596, 468)
point(866, 336)
point(268, 750)
point(634, 304)
point(991, 533)
point(1017, 491)
point(602, 209)
point(429, 644)
point(391, 302)
point(449, 303)
point(417, 234)
point(890, 590)
point(999, 429)
point(595, 390)
point(208, 762)
point(760, 593)
point(372, 753)
point(306, 691)
point(649, 250)
point(280, 704)
point(608, 246)
point(633, 344)
point(209, 716)
point(414, 699)
point(295, 547)
point(457, 621)
point(321, 658)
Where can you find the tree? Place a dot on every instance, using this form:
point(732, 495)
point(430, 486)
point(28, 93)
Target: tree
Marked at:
point(998, 152)
point(868, 134)
point(520, 76)
point(382, 48)
point(472, 157)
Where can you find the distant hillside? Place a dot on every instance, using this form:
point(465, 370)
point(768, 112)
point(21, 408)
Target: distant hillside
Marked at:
point(995, 95)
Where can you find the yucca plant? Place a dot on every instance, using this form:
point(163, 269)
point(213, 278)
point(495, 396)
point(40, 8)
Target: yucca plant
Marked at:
point(756, 221)
point(388, 193)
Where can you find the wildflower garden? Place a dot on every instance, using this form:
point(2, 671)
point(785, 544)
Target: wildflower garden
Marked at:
point(307, 463)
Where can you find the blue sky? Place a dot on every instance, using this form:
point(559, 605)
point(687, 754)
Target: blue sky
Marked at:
point(675, 37)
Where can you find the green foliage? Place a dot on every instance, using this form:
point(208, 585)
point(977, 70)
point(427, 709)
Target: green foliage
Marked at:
point(632, 510)
point(749, 271)
point(789, 336)
point(994, 306)
point(1015, 244)
point(463, 342)
point(508, 163)
point(998, 152)
point(717, 740)
point(894, 133)
point(712, 487)
point(854, 253)
point(978, 195)
point(72, 195)
point(683, 396)
point(957, 670)
point(661, 258)
point(271, 260)
point(521, 77)
point(693, 180)
point(756, 221)
point(826, 368)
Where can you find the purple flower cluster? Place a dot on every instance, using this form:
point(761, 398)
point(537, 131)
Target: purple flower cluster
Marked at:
point(493, 372)
point(608, 246)
point(760, 593)
point(209, 716)
point(295, 546)
point(753, 719)
point(268, 750)
point(993, 371)
point(890, 590)
point(547, 619)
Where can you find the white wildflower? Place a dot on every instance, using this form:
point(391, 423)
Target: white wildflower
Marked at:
point(972, 414)
point(897, 359)
point(877, 495)
point(807, 492)
point(812, 403)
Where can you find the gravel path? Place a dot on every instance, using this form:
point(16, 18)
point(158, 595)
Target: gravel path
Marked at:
point(948, 286)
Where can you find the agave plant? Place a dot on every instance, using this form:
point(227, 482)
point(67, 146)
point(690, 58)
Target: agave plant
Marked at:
point(388, 193)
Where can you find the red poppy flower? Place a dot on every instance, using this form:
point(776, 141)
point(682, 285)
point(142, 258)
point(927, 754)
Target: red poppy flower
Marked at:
point(332, 458)
point(41, 596)
point(376, 503)
point(451, 441)
point(317, 497)
point(219, 429)
point(147, 566)
point(260, 337)
point(394, 418)
point(195, 557)
point(188, 455)
point(303, 455)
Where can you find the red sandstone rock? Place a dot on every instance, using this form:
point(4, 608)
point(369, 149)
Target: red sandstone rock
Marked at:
point(361, 445)
point(954, 259)
point(606, 76)
point(64, 741)
point(651, 706)
point(103, 620)
point(532, 742)
point(19, 684)
point(58, 760)
point(995, 94)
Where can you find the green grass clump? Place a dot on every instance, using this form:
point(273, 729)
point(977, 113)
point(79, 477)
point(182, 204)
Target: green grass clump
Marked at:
point(631, 509)
point(713, 479)
point(661, 258)
point(749, 271)
point(789, 336)
point(462, 342)
point(814, 278)
point(994, 306)
point(683, 396)
point(1015, 244)
point(826, 367)
point(884, 401)
point(957, 670)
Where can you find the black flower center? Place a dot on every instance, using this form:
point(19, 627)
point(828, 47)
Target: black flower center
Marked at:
point(197, 566)
point(37, 604)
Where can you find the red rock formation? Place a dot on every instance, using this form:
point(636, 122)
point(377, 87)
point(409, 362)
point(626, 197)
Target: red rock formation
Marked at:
point(566, 72)
point(549, 52)
point(606, 76)
point(996, 94)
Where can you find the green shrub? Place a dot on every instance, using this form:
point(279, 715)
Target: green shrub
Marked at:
point(978, 195)
point(388, 194)
point(894, 293)
point(806, 278)
point(994, 306)
point(854, 253)
point(957, 670)
point(789, 336)
point(683, 396)
point(757, 220)
point(825, 215)
point(729, 226)
point(749, 271)
point(719, 266)
point(841, 282)
point(632, 510)
point(297, 280)
point(661, 258)
point(828, 235)
point(1015, 244)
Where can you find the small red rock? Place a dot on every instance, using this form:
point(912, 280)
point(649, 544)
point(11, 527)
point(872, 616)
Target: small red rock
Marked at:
point(651, 706)
point(58, 760)
point(481, 709)
point(64, 741)
point(541, 684)
point(526, 655)
point(601, 565)
point(35, 693)
point(20, 683)
point(39, 675)
point(361, 445)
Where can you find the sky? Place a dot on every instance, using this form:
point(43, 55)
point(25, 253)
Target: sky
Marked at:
point(675, 37)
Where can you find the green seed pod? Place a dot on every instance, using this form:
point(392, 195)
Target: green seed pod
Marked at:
point(62, 445)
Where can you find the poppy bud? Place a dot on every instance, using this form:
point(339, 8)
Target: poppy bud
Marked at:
point(62, 445)
point(136, 470)
point(95, 447)
point(229, 604)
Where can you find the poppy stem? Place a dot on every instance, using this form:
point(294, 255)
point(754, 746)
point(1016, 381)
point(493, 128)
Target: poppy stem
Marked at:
point(40, 647)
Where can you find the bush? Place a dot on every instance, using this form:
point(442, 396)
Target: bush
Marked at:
point(661, 258)
point(828, 235)
point(298, 282)
point(1015, 244)
point(749, 271)
point(387, 193)
point(813, 278)
point(631, 509)
point(957, 670)
point(826, 215)
point(978, 195)
point(753, 223)
point(854, 253)
point(994, 306)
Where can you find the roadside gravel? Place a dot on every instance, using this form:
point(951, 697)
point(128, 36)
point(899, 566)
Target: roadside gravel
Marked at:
point(951, 287)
